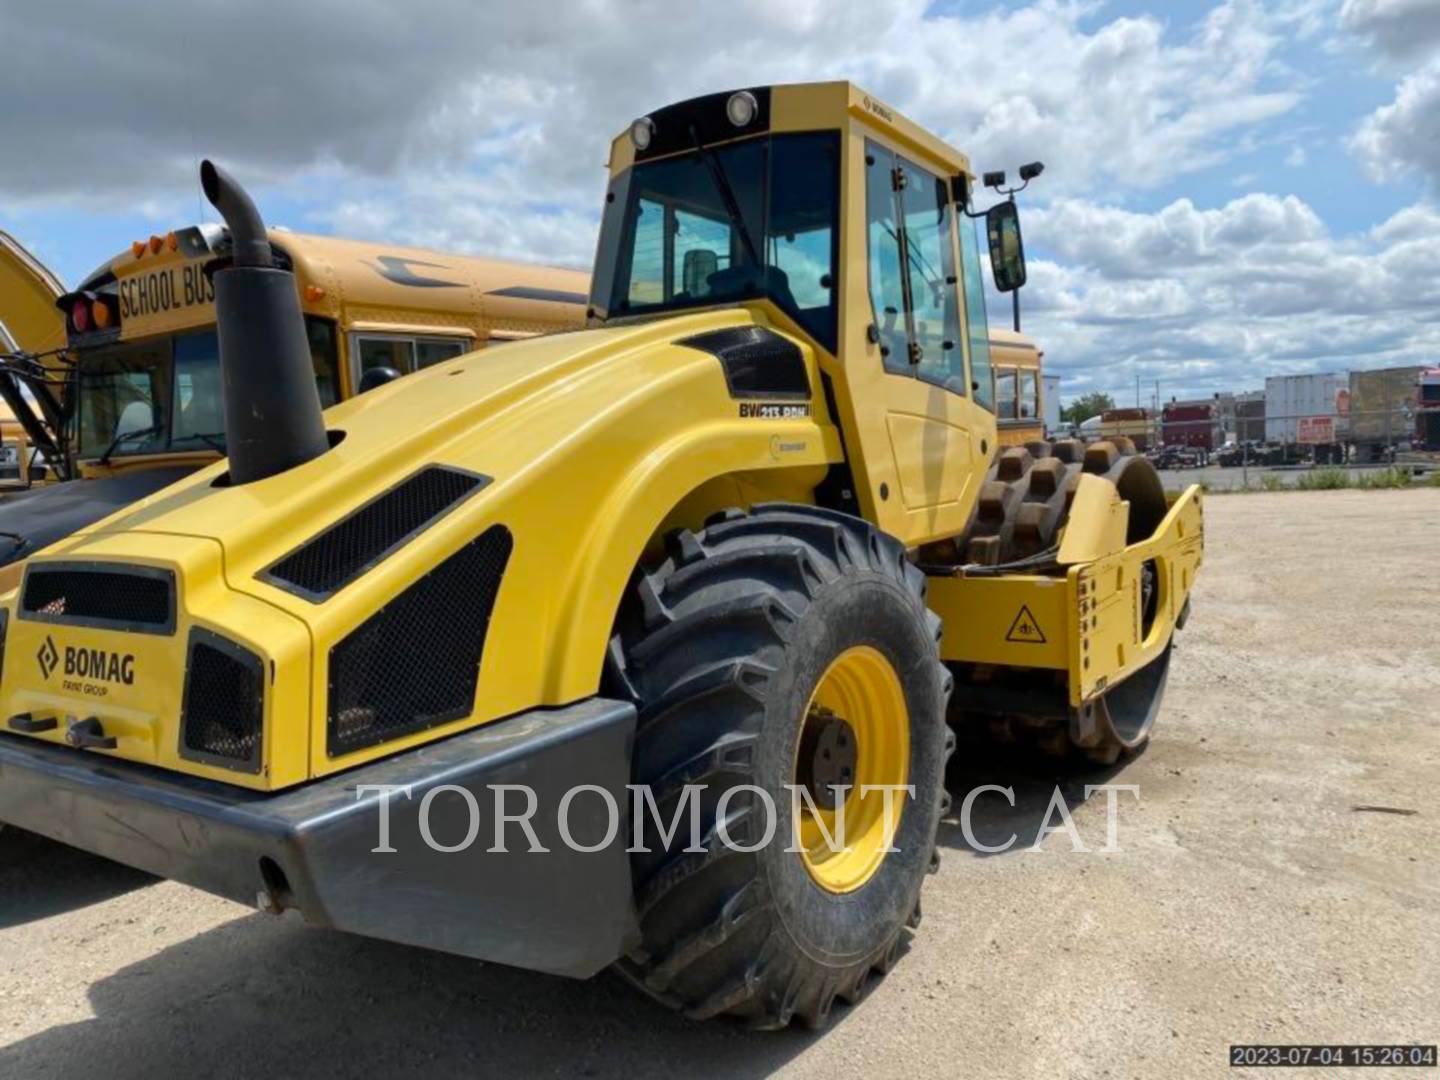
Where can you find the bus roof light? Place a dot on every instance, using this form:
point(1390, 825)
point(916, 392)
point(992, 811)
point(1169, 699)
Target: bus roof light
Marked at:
point(137, 248)
point(156, 243)
point(172, 242)
point(80, 315)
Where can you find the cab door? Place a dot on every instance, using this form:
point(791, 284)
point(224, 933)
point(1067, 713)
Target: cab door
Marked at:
point(933, 348)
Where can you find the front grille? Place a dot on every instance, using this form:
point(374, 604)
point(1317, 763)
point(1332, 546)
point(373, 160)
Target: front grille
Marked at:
point(223, 714)
point(326, 563)
point(140, 599)
point(414, 664)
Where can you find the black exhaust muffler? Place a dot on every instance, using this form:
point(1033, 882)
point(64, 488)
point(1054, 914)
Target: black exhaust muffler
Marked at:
point(272, 408)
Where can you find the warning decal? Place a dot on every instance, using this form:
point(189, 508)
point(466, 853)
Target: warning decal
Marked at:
point(1025, 630)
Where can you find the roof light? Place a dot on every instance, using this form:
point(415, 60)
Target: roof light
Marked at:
point(742, 108)
point(642, 131)
point(80, 315)
point(156, 243)
point(172, 241)
point(137, 248)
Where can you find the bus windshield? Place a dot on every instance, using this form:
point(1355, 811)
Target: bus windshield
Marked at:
point(725, 224)
point(164, 394)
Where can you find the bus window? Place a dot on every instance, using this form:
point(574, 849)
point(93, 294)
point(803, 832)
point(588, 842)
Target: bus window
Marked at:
point(199, 407)
point(124, 394)
point(324, 358)
point(1005, 393)
point(435, 350)
point(397, 353)
point(1029, 396)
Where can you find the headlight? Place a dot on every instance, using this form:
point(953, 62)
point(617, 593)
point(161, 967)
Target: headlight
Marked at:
point(741, 108)
point(641, 132)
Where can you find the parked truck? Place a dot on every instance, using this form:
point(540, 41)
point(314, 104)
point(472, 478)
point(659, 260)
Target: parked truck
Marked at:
point(1305, 416)
point(1384, 406)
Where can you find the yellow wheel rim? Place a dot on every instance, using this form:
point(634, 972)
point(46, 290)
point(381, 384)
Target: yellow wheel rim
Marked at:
point(856, 732)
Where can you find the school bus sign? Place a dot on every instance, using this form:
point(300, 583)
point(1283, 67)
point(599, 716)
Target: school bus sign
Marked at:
point(160, 299)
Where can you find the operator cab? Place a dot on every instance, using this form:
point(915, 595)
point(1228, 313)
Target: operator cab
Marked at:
point(837, 221)
point(705, 218)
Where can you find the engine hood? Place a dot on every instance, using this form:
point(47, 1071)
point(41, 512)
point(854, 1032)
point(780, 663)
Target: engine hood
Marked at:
point(571, 453)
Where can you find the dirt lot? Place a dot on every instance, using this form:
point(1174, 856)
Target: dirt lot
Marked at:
point(1251, 900)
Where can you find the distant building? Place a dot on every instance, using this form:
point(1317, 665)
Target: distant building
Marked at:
point(1250, 416)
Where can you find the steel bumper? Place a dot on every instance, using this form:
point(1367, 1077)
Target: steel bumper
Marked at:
point(313, 849)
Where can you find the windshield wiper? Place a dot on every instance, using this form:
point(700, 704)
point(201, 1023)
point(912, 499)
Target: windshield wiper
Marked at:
point(727, 193)
point(153, 429)
point(213, 439)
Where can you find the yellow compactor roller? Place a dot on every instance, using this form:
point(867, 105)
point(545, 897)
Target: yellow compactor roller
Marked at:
point(737, 544)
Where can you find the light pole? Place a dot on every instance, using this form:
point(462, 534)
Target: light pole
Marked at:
point(996, 180)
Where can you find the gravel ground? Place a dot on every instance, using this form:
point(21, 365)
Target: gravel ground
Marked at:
point(1233, 478)
point(1250, 901)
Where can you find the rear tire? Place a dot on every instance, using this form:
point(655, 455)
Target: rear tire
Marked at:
point(722, 646)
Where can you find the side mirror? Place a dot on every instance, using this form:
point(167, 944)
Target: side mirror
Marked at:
point(375, 377)
point(698, 265)
point(1007, 250)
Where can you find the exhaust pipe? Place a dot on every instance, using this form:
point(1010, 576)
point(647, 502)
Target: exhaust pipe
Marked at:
point(272, 409)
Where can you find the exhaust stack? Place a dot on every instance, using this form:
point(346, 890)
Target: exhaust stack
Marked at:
point(272, 409)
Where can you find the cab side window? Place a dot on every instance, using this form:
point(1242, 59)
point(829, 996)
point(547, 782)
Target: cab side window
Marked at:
point(933, 299)
point(977, 327)
point(916, 308)
point(886, 271)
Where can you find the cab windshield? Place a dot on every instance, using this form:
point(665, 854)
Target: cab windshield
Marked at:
point(725, 224)
point(164, 394)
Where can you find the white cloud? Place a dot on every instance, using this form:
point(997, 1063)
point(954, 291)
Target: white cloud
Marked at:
point(529, 101)
point(1399, 29)
point(485, 127)
point(1404, 137)
point(1216, 299)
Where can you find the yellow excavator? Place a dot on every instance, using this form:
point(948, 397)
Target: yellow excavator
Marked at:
point(453, 663)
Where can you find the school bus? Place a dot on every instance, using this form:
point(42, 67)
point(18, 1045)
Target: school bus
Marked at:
point(140, 402)
point(1019, 388)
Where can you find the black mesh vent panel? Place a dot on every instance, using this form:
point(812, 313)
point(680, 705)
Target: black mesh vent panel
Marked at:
point(136, 598)
point(224, 704)
point(757, 362)
point(328, 562)
point(414, 663)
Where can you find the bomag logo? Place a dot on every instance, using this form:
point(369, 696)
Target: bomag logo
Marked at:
point(47, 656)
point(84, 668)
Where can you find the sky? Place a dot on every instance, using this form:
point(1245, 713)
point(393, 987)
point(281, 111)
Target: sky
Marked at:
point(1232, 190)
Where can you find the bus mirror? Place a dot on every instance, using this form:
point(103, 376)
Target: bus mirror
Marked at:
point(699, 264)
point(1007, 250)
point(376, 376)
